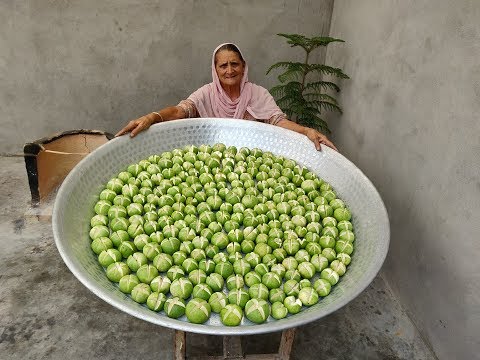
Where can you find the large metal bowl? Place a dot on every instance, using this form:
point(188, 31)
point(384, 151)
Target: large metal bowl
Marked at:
point(79, 192)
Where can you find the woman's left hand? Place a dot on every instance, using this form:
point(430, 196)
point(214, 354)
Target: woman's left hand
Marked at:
point(318, 139)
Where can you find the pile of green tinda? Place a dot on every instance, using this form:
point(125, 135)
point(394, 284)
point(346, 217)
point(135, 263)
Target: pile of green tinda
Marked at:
point(213, 228)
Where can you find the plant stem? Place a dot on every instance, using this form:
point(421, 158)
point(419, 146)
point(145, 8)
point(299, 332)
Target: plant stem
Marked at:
point(305, 72)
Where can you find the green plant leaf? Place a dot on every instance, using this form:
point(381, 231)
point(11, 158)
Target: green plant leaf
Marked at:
point(323, 40)
point(290, 75)
point(319, 85)
point(294, 88)
point(326, 105)
point(289, 104)
point(289, 66)
point(285, 102)
point(325, 69)
point(278, 91)
point(296, 40)
point(308, 44)
point(319, 96)
point(315, 122)
point(294, 71)
point(298, 109)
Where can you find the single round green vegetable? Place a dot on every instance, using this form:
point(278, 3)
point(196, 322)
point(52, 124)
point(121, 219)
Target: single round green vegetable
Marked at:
point(146, 273)
point(257, 310)
point(99, 220)
point(136, 260)
point(342, 214)
point(101, 244)
point(102, 207)
point(329, 253)
point(291, 287)
point(322, 287)
point(174, 307)
point(119, 237)
point(202, 291)
point(116, 271)
point(161, 284)
point(225, 269)
point(330, 275)
point(338, 266)
point(235, 281)
point(306, 269)
point(293, 275)
point(181, 288)
point(276, 295)
point(346, 235)
point(109, 256)
point(197, 311)
point(207, 265)
point(231, 315)
point(241, 267)
point(305, 283)
point(99, 231)
point(252, 278)
point(151, 250)
point(197, 276)
point(156, 301)
point(308, 296)
point(239, 297)
point(343, 246)
point(127, 248)
point(344, 225)
point(170, 245)
point(175, 272)
point(215, 281)
point(127, 283)
point(293, 305)
point(279, 311)
point(344, 258)
point(258, 291)
point(163, 262)
point(141, 292)
point(218, 301)
point(271, 280)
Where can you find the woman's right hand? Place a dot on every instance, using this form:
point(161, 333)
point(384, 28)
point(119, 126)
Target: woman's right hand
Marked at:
point(137, 125)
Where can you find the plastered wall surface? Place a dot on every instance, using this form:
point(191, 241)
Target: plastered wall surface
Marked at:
point(411, 123)
point(97, 64)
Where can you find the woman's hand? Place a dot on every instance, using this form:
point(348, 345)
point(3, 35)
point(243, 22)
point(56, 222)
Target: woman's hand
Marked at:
point(318, 138)
point(315, 136)
point(138, 125)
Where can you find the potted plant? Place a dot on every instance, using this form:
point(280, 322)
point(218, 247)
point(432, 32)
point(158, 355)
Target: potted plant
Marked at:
point(302, 92)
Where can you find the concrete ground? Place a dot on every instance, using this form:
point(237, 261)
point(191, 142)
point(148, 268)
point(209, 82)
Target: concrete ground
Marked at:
point(46, 313)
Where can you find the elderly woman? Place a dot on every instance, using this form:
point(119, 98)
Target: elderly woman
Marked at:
point(230, 95)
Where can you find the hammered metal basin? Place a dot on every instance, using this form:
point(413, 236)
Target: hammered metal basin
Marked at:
point(79, 192)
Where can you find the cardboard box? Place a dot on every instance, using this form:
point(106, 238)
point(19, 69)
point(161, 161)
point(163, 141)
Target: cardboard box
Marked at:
point(49, 160)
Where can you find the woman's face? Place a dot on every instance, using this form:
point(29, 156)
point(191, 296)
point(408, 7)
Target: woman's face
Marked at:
point(229, 67)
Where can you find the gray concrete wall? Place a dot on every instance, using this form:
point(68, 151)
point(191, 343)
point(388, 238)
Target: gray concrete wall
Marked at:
point(411, 123)
point(97, 64)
